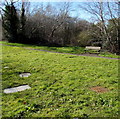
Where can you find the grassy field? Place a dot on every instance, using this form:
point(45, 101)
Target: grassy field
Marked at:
point(60, 84)
point(72, 50)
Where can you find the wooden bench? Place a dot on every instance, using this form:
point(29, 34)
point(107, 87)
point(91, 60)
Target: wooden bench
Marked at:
point(93, 48)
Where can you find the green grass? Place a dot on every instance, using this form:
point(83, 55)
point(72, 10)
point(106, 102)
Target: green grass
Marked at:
point(107, 54)
point(60, 84)
point(72, 50)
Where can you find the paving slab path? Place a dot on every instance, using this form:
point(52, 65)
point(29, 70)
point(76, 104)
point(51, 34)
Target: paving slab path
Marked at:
point(89, 55)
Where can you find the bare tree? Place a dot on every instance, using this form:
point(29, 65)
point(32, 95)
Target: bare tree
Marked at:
point(102, 12)
point(47, 24)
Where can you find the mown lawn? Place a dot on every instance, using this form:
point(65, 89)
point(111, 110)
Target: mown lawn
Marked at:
point(60, 84)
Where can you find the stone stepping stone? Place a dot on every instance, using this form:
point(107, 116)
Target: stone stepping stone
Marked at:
point(6, 67)
point(25, 74)
point(16, 89)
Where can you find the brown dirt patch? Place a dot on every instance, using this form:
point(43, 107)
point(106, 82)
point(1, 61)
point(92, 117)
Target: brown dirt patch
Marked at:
point(99, 89)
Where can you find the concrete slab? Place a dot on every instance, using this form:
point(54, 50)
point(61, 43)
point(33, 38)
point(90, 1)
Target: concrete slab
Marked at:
point(25, 74)
point(17, 89)
point(6, 67)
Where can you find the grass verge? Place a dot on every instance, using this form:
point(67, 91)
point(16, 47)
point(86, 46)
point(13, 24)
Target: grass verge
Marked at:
point(72, 50)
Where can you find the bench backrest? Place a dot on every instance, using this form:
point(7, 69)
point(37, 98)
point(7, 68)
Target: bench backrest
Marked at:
point(92, 48)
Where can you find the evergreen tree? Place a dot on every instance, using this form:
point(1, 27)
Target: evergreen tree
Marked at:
point(10, 23)
point(22, 24)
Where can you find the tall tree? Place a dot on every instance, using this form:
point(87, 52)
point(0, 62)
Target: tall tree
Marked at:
point(22, 23)
point(102, 12)
point(10, 22)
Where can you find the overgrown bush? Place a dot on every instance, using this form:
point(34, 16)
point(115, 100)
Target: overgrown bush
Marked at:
point(84, 38)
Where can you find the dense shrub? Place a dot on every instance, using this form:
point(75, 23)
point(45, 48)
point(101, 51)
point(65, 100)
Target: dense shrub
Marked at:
point(84, 38)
